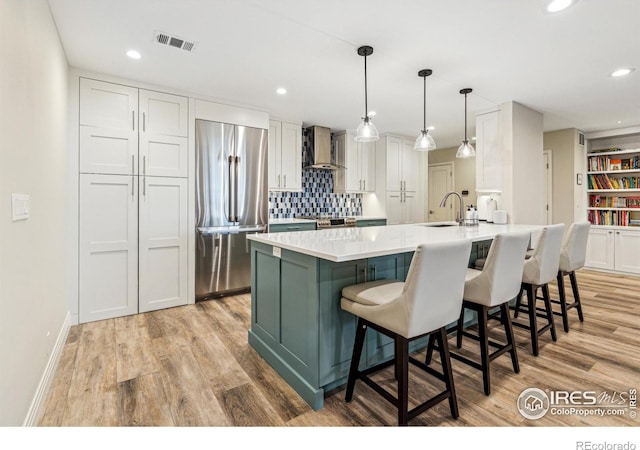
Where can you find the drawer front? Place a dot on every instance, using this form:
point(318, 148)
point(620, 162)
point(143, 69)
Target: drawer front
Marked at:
point(284, 227)
point(371, 223)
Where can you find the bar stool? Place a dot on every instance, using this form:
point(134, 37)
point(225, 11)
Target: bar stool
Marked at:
point(572, 257)
point(540, 269)
point(494, 286)
point(424, 304)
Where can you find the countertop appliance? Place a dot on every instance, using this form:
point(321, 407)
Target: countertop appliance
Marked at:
point(231, 201)
point(332, 222)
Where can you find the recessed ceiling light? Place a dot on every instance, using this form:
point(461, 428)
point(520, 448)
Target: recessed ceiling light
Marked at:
point(558, 5)
point(372, 113)
point(622, 72)
point(133, 54)
point(431, 128)
point(619, 121)
point(281, 91)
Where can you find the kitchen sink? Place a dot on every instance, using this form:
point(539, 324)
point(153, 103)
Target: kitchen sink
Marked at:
point(447, 224)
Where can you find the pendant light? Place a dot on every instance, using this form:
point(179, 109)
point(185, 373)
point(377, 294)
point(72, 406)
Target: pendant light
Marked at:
point(366, 131)
point(465, 150)
point(425, 141)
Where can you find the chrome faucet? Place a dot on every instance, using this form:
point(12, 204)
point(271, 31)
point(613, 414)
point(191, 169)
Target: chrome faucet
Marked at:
point(460, 218)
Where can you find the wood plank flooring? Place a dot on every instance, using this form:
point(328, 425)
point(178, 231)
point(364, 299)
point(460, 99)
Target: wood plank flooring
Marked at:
point(192, 366)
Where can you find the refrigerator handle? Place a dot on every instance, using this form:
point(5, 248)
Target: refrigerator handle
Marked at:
point(229, 192)
point(235, 190)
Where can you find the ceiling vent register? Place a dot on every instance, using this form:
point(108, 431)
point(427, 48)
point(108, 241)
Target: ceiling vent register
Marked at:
point(173, 41)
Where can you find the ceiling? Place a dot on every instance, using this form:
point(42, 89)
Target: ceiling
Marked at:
point(558, 64)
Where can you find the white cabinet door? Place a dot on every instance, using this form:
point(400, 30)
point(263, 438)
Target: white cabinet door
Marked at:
point(600, 249)
point(163, 155)
point(410, 166)
point(394, 168)
point(163, 114)
point(163, 243)
point(367, 155)
point(108, 278)
point(393, 208)
point(488, 151)
point(108, 151)
point(275, 155)
point(410, 211)
point(108, 105)
point(291, 156)
point(353, 164)
point(627, 251)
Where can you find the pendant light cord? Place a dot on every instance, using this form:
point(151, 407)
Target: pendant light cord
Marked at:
point(465, 117)
point(424, 116)
point(366, 114)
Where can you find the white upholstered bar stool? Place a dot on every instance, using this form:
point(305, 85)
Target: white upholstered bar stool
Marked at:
point(572, 257)
point(429, 299)
point(539, 270)
point(493, 287)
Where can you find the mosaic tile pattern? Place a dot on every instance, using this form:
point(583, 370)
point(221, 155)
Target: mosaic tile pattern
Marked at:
point(316, 198)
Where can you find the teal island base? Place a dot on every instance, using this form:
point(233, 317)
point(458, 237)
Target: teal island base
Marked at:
point(297, 324)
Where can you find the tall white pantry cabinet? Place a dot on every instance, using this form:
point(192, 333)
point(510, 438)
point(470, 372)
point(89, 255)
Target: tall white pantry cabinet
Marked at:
point(133, 200)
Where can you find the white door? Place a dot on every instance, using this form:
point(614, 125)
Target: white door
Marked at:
point(440, 182)
point(275, 155)
point(627, 251)
point(108, 105)
point(108, 284)
point(163, 114)
point(291, 156)
point(410, 166)
point(547, 170)
point(600, 249)
point(163, 243)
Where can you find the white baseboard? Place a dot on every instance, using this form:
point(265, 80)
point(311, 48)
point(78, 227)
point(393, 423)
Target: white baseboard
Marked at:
point(37, 404)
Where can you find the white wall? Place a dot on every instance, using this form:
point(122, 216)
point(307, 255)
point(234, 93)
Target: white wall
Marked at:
point(33, 160)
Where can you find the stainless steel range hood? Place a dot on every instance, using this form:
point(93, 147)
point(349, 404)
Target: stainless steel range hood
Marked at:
point(318, 149)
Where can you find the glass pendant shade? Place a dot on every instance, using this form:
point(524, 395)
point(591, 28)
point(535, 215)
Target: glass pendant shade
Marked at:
point(465, 150)
point(424, 142)
point(367, 131)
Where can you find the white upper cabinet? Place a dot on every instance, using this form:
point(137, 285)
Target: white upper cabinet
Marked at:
point(118, 138)
point(360, 162)
point(403, 165)
point(163, 114)
point(488, 152)
point(285, 156)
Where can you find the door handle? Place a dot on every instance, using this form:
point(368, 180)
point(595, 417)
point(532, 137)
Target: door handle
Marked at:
point(143, 122)
point(235, 193)
point(144, 165)
point(374, 269)
point(133, 120)
point(285, 180)
point(364, 273)
point(278, 180)
point(430, 211)
point(144, 186)
point(230, 159)
point(133, 165)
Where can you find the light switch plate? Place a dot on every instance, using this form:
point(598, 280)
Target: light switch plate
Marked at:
point(20, 207)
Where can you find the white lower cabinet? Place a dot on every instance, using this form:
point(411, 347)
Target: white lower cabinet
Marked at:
point(402, 207)
point(133, 245)
point(613, 249)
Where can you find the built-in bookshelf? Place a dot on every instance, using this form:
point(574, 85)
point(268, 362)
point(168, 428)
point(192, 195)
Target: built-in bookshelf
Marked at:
point(613, 180)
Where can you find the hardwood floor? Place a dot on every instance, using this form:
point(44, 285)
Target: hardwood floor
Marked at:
point(192, 366)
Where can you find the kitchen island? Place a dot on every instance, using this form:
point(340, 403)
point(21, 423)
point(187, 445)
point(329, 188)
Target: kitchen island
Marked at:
point(297, 324)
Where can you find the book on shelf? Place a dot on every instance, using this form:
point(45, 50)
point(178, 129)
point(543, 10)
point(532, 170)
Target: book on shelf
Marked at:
point(626, 164)
point(616, 164)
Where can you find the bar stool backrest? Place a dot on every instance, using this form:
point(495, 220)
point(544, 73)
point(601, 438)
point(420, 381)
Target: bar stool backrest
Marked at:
point(434, 286)
point(543, 265)
point(574, 247)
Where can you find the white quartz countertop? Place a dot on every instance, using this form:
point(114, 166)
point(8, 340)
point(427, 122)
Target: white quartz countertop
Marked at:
point(347, 244)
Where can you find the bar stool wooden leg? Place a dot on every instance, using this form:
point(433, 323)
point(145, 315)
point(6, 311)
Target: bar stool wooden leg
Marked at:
point(508, 328)
point(355, 359)
point(402, 363)
point(460, 329)
point(576, 295)
point(518, 304)
point(430, 346)
point(547, 306)
point(533, 323)
point(563, 301)
point(484, 348)
point(447, 371)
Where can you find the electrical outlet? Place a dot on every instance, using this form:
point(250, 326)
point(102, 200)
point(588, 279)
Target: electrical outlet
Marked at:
point(20, 207)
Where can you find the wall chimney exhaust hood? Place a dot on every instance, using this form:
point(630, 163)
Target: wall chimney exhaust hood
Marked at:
point(318, 149)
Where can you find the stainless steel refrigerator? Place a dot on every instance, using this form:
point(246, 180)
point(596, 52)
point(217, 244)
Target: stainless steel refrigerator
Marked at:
point(231, 202)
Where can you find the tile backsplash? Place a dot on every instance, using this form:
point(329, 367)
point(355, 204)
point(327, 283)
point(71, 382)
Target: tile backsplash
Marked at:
point(317, 198)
